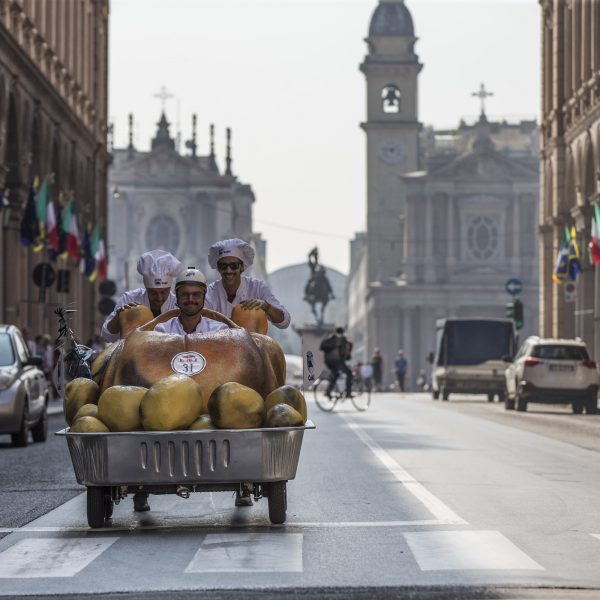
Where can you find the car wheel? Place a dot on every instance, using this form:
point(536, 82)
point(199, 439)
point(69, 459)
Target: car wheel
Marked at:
point(40, 430)
point(591, 404)
point(21, 437)
point(577, 407)
point(521, 403)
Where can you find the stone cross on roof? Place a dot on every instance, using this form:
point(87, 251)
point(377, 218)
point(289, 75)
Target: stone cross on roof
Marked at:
point(163, 96)
point(482, 94)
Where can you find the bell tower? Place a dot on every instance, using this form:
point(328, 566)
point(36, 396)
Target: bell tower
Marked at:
point(391, 70)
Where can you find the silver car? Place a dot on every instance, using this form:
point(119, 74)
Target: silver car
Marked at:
point(24, 391)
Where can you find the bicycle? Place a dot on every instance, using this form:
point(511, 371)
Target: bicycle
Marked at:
point(361, 394)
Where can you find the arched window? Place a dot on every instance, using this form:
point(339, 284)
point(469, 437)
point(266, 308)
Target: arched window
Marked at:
point(163, 233)
point(390, 98)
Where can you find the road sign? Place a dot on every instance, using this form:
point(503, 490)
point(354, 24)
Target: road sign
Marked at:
point(108, 287)
point(106, 305)
point(514, 286)
point(570, 291)
point(43, 275)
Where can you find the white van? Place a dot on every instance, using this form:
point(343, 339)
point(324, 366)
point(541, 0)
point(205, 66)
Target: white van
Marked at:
point(469, 356)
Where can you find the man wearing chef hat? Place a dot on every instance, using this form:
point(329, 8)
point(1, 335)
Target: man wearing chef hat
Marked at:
point(231, 258)
point(158, 268)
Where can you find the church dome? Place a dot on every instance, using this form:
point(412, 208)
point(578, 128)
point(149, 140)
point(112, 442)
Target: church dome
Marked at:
point(391, 18)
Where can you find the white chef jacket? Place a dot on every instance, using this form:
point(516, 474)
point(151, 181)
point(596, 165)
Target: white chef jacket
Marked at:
point(250, 288)
point(174, 326)
point(139, 295)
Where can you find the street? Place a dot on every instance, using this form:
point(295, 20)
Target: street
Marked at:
point(413, 498)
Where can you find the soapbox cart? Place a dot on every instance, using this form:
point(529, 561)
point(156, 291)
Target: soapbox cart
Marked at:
point(253, 461)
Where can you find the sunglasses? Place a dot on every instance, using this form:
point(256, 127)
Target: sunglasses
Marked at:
point(234, 266)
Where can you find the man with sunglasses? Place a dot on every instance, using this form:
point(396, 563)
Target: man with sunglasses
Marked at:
point(231, 258)
point(190, 290)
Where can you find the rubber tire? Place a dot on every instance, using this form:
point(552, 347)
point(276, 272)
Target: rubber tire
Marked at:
point(40, 431)
point(577, 406)
point(108, 507)
point(591, 404)
point(277, 502)
point(435, 395)
point(445, 395)
point(21, 437)
point(95, 506)
point(521, 403)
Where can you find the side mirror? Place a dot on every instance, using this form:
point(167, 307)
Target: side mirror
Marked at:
point(34, 361)
point(507, 358)
point(430, 358)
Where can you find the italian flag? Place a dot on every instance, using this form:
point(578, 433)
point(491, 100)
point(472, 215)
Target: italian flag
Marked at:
point(595, 235)
point(100, 257)
point(51, 228)
point(69, 224)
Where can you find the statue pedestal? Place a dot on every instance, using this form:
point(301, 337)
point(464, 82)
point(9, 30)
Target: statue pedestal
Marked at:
point(312, 336)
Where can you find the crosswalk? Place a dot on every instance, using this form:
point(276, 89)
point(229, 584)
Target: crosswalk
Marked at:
point(65, 556)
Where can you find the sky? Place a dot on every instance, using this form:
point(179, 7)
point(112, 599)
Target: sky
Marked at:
point(283, 74)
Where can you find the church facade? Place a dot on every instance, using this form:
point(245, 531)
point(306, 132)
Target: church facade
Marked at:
point(182, 204)
point(451, 215)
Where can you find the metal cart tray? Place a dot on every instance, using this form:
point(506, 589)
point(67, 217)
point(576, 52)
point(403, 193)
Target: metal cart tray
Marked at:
point(179, 457)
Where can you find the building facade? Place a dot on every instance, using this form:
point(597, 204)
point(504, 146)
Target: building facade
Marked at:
point(182, 204)
point(451, 215)
point(53, 119)
point(570, 163)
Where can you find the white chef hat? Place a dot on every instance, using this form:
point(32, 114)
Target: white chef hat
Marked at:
point(158, 268)
point(234, 247)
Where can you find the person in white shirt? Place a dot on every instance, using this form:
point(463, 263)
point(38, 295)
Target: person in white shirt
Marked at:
point(190, 289)
point(158, 268)
point(231, 258)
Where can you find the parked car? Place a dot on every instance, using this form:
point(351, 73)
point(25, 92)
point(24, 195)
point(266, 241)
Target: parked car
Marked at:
point(293, 370)
point(24, 390)
point(552, 371)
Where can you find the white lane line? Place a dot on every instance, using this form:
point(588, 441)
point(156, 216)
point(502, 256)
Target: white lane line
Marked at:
point(140, 527)
point(467, 550)
point(48, 557)
point(444, 514)
point(248, 553)
point(596, 535)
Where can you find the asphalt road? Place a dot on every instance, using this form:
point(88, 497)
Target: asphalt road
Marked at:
point(413, 499)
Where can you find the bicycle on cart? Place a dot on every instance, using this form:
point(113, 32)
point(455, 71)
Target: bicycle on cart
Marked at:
point(360, 397)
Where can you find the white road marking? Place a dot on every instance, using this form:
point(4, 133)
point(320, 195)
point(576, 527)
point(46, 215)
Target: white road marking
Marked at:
point(444, 514)
point(48, 557)
point(596, 535)
point(248, 553)
point(467, 550)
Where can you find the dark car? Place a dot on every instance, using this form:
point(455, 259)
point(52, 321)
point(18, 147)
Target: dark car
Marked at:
point(24, 391)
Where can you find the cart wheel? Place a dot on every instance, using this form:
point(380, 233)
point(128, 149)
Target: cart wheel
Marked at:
point(96, 506)
point(108, 507)
point(277, 502)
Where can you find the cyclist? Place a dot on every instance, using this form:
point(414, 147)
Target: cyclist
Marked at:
point(337, 350)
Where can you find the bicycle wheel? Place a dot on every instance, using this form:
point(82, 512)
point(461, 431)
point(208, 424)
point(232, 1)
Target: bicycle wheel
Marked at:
point(362, 401)
point(324, 402)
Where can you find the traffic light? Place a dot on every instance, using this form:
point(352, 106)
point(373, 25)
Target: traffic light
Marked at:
point(518, 313)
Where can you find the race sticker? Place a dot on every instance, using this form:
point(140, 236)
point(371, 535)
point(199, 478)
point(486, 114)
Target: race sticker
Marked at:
point(188, 363)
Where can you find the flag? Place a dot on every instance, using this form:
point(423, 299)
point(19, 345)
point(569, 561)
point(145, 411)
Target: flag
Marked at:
point(89, 263)
point(94, 248)
point(101, 261)
point(574, 262)
point(561, 268)
point(30, 230)
point(69, 225)
point(41, 205)
point(595, 236)
point(51, 226)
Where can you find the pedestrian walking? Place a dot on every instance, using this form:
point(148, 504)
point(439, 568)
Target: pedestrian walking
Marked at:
point(400, 366)
point(377, 364)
